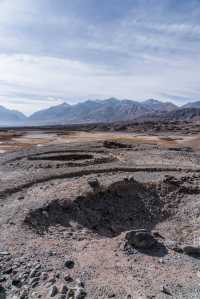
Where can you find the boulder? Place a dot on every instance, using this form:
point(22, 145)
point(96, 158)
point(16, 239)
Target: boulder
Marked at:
point(141, 239)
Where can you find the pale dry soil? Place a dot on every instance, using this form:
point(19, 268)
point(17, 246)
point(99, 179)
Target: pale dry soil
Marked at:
point(13, 140)
point(50, 213)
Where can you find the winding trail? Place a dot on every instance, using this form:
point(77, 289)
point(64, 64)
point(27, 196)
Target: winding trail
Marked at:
point(80, 173)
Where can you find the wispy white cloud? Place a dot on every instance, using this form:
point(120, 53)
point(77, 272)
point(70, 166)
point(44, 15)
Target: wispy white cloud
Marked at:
point(35, 82)
point(131, 49)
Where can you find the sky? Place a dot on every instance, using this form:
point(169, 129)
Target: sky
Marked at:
point(73, 50)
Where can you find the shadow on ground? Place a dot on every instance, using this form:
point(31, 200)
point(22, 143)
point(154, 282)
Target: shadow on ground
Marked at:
point(158, 250)
point(120, 207)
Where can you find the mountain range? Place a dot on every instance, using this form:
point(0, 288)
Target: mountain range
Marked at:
point(94, 111)
point(8, 116)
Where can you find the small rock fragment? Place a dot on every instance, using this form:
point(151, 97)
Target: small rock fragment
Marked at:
point(2, 279)
point(131, 178)
point(52, 278)
point(80, 293)
point(93, 182)
point(166, 290)
point(64, 289)
point(173, 245)
point(44, 276)
point(161, 261)
point(34, 282)
point(8, 271)
point(53, 291)
point(4, 253)
point(20, 197)
point(69, 264)
point(24, 294)
point(79, 283)
point(17, 283)
point(68, 278)
point(35, 272)
point(51, 253)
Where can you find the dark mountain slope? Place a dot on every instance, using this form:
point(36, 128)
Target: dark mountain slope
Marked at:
point(109, 110)
point(11, 117)
point(192, 105)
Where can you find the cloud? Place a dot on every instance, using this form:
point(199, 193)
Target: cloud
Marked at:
point(73, 50)
point(44, 77)
point(44, 81)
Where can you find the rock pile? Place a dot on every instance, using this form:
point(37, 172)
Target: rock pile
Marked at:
point(23, 278)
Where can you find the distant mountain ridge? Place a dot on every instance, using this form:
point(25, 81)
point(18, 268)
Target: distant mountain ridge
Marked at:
point(109, 110)
point(192, 105)
point(13, 117)
point(183, 114)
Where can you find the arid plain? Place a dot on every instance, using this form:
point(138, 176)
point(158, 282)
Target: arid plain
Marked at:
point(70, 197)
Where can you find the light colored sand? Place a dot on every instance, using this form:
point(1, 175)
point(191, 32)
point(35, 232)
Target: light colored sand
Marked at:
point(11, 142)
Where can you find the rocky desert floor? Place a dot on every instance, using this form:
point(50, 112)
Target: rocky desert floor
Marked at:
point(100, 214)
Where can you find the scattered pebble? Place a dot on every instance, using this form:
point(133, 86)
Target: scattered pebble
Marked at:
point(69, 264)
point(53, 291)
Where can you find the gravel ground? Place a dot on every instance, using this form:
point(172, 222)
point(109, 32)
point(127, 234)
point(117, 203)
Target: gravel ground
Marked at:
point(66, 210)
